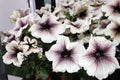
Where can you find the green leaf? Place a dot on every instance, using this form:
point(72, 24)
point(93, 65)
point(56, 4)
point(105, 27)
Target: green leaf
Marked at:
point(74, 18)
point(70, 17)
point(32, 63)
point(2, 50)
point(43, 74)
point(83, 75)
point(67, 14)
point(28, 76)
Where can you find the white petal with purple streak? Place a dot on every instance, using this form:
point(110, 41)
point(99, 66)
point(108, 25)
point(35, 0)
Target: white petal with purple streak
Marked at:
point(65, 55)
point(99, 58)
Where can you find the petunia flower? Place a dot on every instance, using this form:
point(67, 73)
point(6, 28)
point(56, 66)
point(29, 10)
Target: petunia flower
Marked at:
point(30, 46)
point(21, 24)
point(99, 58)
point(65, 55)
point(18, 14)
point(96, 12)
point(64, 3)
point(8, 37)
point(44, 9)
point(113, 30)
point(84, 12)
point(48, 29)
point(14, 54)
point(97, 3)
point(58, 12)
point(78, 26)
point(112, 8)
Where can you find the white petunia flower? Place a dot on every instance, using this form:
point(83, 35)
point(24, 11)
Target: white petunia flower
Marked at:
point(14, 54)
point(8, 37)
point(113, 30)
point(96, 12)
point(64, 2)
point(48, 29)
point(84, 12)
point(65, 55)
point(18, 14)
point(98, 2)
point(44, 9)
point(59, 13)
point(21, 24)
point(30, 46)
point(78, 26)
point(99, 58)
point(112, 8)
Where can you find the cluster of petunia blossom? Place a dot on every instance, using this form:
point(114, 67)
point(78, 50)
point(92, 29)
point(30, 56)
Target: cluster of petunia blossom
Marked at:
point(85, 32)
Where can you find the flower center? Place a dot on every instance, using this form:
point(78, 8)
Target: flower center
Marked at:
point(14, 55)
point(16, 52)
point(117, 8)
point(65, 53)
point(99, 53)
point(22, 24)
point(46, 25)
point(82, 14)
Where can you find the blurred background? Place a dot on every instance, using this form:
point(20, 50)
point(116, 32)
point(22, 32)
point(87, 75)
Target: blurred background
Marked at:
point(6, 9)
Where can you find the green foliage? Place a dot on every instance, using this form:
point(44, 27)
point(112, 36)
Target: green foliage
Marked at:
point(46, 46)
point(69, 17)
point(26, 31)
point(72, 37)
point(2, 50)
point(43, 73)
point(83, 75)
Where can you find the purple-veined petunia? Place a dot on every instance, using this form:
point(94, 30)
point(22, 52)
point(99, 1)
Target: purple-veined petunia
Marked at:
point(14, 54)
point(20, 25)
point(78, 26)
point(113, 30)
point(48, 28)
point(99, 58)
point(112, 8)
point(65, 55)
